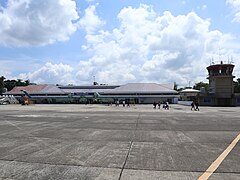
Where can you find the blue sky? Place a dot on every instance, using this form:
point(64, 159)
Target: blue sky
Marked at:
point(117, 42)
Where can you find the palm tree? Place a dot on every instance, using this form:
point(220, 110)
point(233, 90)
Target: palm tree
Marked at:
point(2, 84)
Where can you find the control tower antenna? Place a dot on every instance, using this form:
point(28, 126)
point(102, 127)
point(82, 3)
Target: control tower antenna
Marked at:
point(212, 61)
point(219, 59)
point(231, 61)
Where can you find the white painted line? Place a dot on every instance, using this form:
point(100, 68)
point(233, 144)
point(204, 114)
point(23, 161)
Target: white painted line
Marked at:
point(30, 115)
point(13, 125)
point(36, 138)
point(219, 160)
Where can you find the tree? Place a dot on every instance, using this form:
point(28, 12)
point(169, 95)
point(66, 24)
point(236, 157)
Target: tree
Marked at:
point(27, 82)
point(175, 86)
point(236, 85)
point(199, 85)
point(180, 89)
point(1, 84)
point(10, 84)
point(18, 82)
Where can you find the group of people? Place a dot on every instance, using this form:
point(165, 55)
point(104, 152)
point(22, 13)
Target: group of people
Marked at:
point(124, 103)
point(195, 106)
point(165, 105)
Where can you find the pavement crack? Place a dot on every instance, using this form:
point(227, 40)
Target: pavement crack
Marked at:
point(130, 147)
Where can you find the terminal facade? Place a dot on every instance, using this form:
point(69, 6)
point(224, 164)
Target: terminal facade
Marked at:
point(134, 93)
point(219, 93)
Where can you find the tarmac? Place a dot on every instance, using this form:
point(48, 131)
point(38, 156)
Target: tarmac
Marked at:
point(118, 143)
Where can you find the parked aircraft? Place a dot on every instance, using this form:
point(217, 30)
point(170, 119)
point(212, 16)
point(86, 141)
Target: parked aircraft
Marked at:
point(4, 101)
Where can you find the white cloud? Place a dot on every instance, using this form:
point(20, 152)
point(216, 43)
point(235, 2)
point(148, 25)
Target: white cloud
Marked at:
point(148, 47)
point(235, 4)
point(90, 1)
point(90, 21)
point(204, 7)
point(50, 74)
point(11, 68)
point(183, 2)
point(37, 23)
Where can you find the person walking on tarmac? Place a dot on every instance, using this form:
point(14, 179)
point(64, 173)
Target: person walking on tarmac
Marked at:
point(154, 105)
point(196, 106)
point(192, 106)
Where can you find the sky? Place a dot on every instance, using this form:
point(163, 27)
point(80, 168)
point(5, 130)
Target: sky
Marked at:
point(117, 42)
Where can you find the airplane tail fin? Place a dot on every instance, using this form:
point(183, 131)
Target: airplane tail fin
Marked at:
point(26, 93)
point(96, 94)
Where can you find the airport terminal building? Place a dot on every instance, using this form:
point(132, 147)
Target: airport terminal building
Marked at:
point(136, 93)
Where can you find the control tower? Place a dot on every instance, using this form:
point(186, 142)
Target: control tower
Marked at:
point(221, 84)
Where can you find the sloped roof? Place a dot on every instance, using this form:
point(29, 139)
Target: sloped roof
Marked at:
point(36, 89)
point(83, 90)
point(87, 88)
point(127, 88)
point(52, 89)
point(190, 91)
point(144, 88)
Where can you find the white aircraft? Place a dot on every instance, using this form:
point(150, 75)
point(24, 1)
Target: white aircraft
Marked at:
point(4, 101)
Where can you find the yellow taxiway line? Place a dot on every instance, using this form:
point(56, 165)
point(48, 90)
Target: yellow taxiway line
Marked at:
point(219, 160)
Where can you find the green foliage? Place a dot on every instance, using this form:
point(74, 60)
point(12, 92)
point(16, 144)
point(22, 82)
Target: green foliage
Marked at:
point(1, 84)
point(175, 86)
point(180, 89)
point(10, 84)
point(19, 82)
point(236, 85)
point(27, 82)
point(199, 85)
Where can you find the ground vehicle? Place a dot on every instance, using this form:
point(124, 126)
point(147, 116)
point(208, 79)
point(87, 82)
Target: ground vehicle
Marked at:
point(26, 99)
